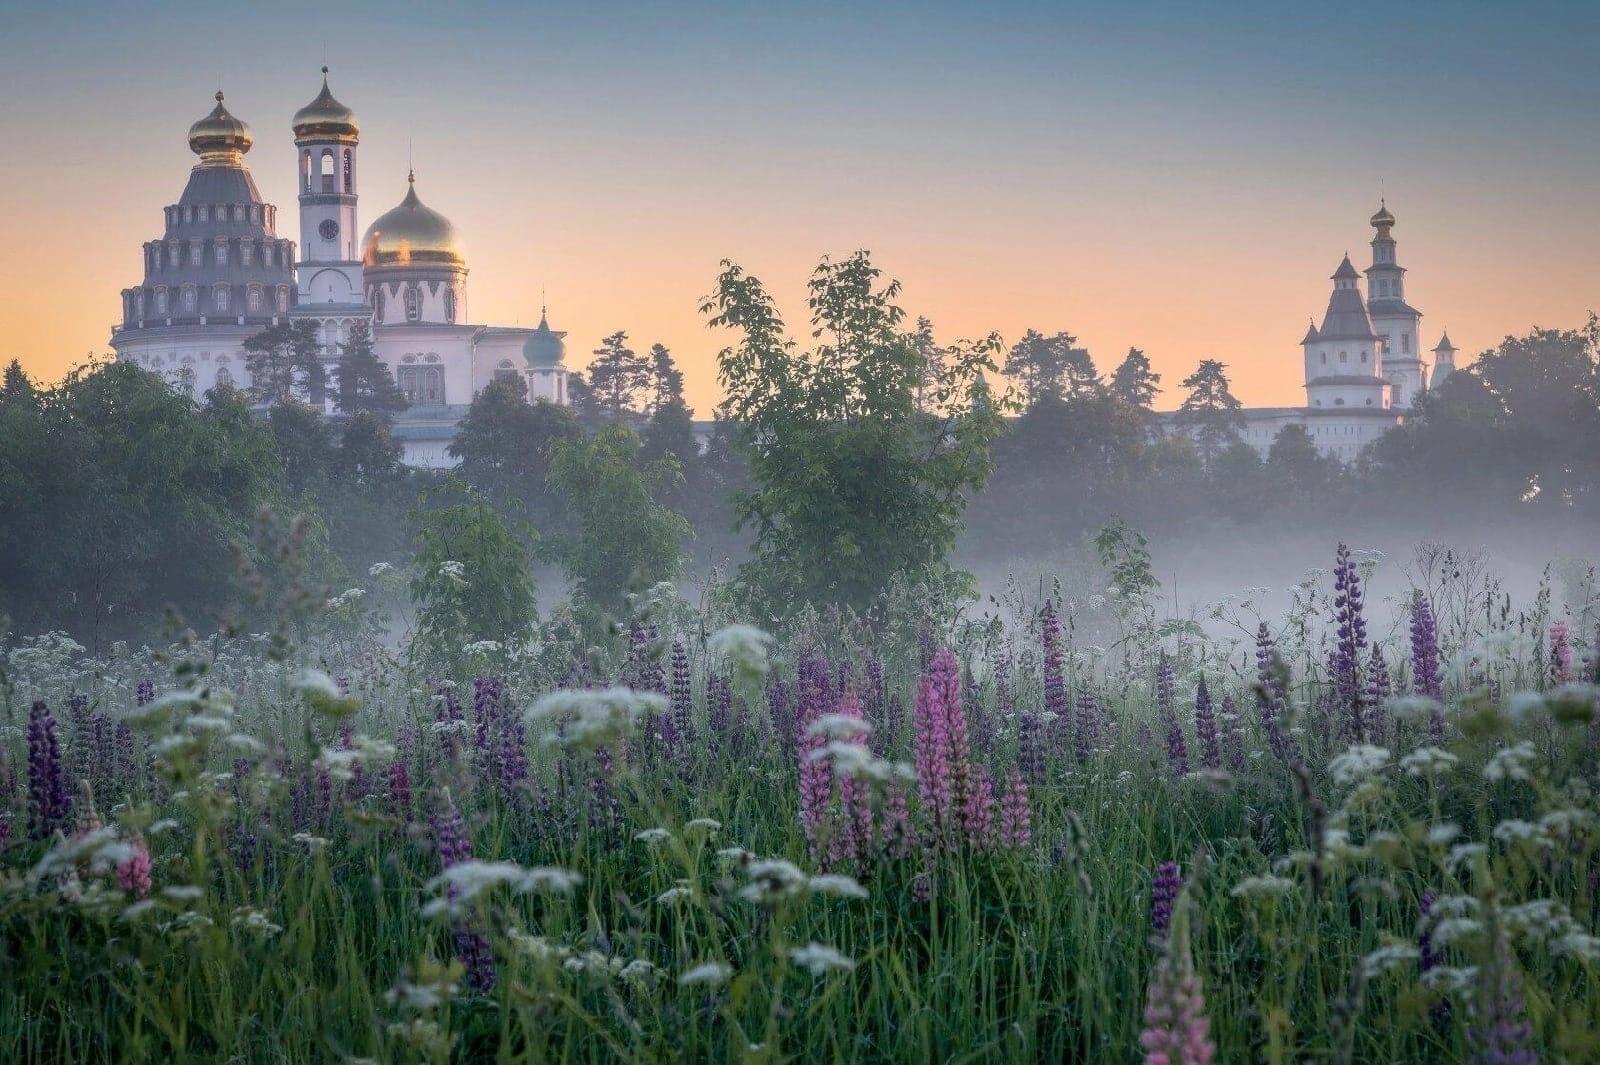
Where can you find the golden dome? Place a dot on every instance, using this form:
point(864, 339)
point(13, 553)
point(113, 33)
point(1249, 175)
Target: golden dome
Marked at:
point(411, 233)
point(1384, 217)
point(325, 117)
point(219, 139)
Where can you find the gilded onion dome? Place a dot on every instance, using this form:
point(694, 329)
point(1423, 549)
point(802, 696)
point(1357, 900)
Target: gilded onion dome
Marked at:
point(411, 233)
point(219, 139)
point(1383, 218)
point(325, 117)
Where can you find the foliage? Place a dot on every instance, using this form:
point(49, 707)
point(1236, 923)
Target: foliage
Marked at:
point(504, 444)
point(470, 577)
point(855, 480)
point(363, 383)
point(626, 540)
point(1210, 412)
point(285, 361)
point(122, 498)
point(1051, 368)
point(619, 377)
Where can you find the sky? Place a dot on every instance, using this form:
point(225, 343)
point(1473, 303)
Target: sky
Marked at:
point(1178, 177)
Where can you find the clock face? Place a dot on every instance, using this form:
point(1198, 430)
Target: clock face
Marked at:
point(329, 229)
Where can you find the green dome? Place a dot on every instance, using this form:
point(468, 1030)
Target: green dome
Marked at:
point(545, 347)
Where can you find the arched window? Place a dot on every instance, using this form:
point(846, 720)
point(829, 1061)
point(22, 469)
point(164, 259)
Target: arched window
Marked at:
point(222, 253)
point(1344, 356)
point(450, 305)
point(506, 371)
point(161, 300)
point(224, 377)
point(377, 303)
point(191, 299)
point(349, 174)
point(413, 298)
point(305, 170)
point(283, 299)
point(252, 299)
point(1405, 343)
point(221, 299)
point(327, 170)
point(432, 385)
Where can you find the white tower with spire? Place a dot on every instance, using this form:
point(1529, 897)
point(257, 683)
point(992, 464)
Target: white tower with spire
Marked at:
point(1396, 322)
point(326, 137)
point(1444, 360)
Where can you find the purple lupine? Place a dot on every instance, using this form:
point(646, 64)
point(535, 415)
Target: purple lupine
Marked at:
point(1379, 688)
point(977, 814)
point(1426, 678)
point(486, 721)
point(780, 708)
point(679, 722)
point(851, 833)
point(941, 748)
point(1271, 698)
point(145, 693)
point(897, 838)
point(1560, 653)
point(1233, 736)
point(605, 810)
point(123, 761)
point(400, 789)
point(1205, 727)
point(448, 712)
point(1057, 713)
point(816, 775)
point(455, 846)
point(1176, 1030)
point(1166, 707)
point(1165, 887)
point(873, 703)
point(1500, 1033)
point(49, 790)
point(1427, 954)
point(1350, 637)
point(1086, 724)
point(1016, 812)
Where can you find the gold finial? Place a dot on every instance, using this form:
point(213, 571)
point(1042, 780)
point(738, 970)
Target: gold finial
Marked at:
point(219, 96)
point(324, 70)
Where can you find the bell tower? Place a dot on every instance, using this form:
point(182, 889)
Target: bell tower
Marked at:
point(326, 137)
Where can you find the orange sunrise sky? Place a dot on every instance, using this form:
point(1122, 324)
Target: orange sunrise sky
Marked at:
point(1186, 189)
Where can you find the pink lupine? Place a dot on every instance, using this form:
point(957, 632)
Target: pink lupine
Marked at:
point(852, 830)
point(1016, 812)
point(978, 811)
point(1560, 653)
point(1176, 1031)
point(134, 871)
point(942, 749)
point(897, 837)
point(816, 775)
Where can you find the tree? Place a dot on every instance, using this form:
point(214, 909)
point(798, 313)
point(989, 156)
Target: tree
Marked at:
point(17, 387)
point(304, 444)
point(1134, 383)
point(671, 428)
point(619, 376)
point(363, 381)
point(123, 497)
point(1051, 367)
point(368, 452)
point(470, 577)
point(1210, 413)
point(625, 539)
point(581, 398)
point(1293, 460)
point(504, 444)
point(854, 481)
point(284, 359)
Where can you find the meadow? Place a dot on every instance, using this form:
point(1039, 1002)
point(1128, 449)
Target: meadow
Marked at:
point(925, 833)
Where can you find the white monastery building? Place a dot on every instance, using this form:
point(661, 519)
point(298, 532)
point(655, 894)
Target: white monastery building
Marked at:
point(220, 273)
point(1363, 364)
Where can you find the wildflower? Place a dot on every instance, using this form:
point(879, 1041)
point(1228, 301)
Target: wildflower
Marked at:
point(1177, 743)
point(1349, 638)
point(1426, 679)
point(772, 879)
point(1164, 891)
point(1500, 1033)
point(49, 791)
point(836, 884)
point(1511, 763)
point(591, 719)
point(680, 720)
point(1515, 830)
point(1016, 813)
point(1176, 1030)
point(941, 746)
point(1427, 955)
point(455, 848)
point(1387, 958)
point(703, 824)
point(1428, 762)
point(820, 959)
point(1359, 761)
point(1055, 685)
point(1262, 887)
point(256, 923)
point(453, 571)
point(676, 893)
point(709, 973)
point(745, 647)
point(1463, 853)
point(1560, 653)
point(978, 813)
point(1205, 727)
point(134, 871)
point(652, 835)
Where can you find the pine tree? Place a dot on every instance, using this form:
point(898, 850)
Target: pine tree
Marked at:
point(1134, 383)
point(17, 386)
point(1211, 413)
point(364, 383)
point(1052, 368)
point(283, 359)
point(619, 376)
point(671, 428)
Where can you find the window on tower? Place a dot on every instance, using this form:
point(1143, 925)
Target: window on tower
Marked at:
point(413, 300)
point(349, 174)
point(1405, 343)
point(327, 170)
point(450, 305)
point(305, 171)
